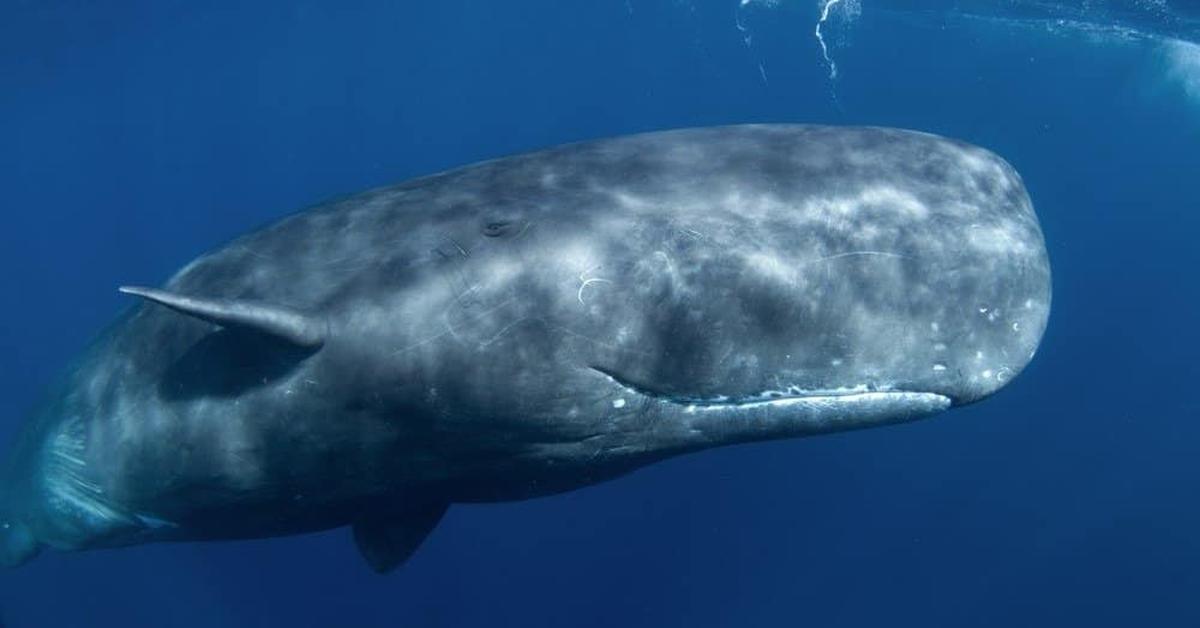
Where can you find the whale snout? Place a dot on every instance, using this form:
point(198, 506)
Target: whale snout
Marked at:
point(1002, 350)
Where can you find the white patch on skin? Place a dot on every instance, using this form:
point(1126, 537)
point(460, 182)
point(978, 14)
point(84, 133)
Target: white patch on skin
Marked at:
point(896, 200)
point(577, 254)
point(629, 201)
point(500, 271)
point(876, 197)
point(972, 161)
point(998, 240)
point(939, 367)
point(981, 163)
point(771, 266)
point(665, 259)
point(751, 206)
point(618, 403)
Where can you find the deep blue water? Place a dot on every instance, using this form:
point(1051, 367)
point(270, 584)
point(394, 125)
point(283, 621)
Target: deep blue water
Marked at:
point(135, 136)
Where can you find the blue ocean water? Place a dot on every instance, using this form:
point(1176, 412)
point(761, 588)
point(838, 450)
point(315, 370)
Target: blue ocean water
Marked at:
point(136, 135)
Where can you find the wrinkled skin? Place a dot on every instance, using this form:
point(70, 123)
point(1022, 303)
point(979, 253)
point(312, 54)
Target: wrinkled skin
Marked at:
point(539, 323)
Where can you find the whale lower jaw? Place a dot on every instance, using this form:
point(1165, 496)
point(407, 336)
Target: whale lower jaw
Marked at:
point(821, 399)
point(782, 414)
point(795, 416)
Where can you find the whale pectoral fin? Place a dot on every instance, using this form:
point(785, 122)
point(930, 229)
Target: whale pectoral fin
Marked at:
point(284, 324)
point(386, 543)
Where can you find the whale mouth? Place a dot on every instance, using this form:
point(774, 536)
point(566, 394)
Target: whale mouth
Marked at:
point(790, 396)
point(707, 421)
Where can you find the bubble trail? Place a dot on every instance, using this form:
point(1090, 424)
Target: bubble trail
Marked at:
point(829, 4)
point(748, 39)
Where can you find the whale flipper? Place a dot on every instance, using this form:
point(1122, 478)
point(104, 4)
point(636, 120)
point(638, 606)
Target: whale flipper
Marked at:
point(386, 543)
point(282, 323)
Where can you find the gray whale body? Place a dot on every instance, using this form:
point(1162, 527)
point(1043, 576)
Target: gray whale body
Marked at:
point(535, 324)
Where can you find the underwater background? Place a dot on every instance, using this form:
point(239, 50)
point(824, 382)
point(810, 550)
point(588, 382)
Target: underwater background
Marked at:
point(136, 135)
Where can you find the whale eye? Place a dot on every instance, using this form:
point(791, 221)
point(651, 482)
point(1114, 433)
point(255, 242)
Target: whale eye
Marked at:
point(496, 228)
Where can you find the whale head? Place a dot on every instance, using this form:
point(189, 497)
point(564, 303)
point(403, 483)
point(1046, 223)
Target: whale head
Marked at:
point(727, 285)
